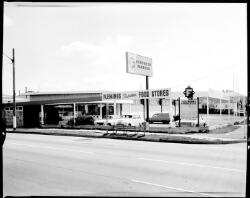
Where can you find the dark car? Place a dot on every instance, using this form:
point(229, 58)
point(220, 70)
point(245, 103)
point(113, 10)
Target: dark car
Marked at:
point(160, 117)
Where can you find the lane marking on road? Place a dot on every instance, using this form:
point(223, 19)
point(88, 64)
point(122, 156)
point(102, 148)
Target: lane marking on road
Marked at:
point(190, 164)
point(169, 187)
point(49, 147)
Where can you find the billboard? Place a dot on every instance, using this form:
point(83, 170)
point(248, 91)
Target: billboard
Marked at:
point(189, 109)
point(137, 64)
point(141, 94)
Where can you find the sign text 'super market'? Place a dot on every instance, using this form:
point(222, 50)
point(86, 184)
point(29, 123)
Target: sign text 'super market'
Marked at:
point(137, 64)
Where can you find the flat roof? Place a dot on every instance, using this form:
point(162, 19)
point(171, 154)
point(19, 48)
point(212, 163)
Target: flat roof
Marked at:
point(60, 93)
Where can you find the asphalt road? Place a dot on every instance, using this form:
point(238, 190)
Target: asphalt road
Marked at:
point(58, 165)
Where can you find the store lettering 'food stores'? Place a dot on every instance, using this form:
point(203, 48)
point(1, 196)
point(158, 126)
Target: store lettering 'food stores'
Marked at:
point(135, 95)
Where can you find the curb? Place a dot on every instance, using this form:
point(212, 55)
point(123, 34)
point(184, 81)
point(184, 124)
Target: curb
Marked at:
point(148, 137)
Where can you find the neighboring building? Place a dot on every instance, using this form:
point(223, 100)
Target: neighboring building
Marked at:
point(35, 108)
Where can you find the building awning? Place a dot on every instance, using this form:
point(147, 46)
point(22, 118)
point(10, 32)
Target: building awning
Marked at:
point(111, 101)
point(64, 106)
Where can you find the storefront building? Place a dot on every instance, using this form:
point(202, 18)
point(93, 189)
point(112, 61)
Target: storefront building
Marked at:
point(36, 108)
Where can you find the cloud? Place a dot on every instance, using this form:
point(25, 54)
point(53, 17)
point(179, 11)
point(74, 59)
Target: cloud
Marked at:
point(89, 66)
point(8, 22)
point(77, 47)
point(109, 54)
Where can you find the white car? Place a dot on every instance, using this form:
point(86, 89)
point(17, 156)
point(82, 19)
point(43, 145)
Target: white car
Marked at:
point(130, 120)
point(109, 120)
point(191, 123)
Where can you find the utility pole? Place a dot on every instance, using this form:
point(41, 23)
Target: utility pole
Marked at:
point(233, 98)
point(14, 92)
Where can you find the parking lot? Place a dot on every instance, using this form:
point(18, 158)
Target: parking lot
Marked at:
point(212, 120)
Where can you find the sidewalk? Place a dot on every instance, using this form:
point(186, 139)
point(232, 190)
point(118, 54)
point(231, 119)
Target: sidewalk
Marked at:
point(139, 136)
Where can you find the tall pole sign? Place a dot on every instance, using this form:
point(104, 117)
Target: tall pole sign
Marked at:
point(140, 65)
point(147, 101)
point(137, 64)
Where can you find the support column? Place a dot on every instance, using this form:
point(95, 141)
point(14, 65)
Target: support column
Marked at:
point(42, 115)
point(179, 109)
point(121, 107)
point(144, 110)
point(77, 110)
point(74, 112)
point(170, 111)
point(107, 112)
point(237, 108)
point(86, 108)
point(101, 110)
point(207, 107)
point(220, 109)
point(198, 119)
point(234, 108)
point(115, 108)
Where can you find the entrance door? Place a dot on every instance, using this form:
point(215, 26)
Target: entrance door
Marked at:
point(31, 115)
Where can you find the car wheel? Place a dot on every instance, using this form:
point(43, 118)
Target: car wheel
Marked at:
point(129, 124)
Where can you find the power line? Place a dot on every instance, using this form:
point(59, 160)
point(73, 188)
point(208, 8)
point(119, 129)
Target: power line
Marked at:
point(8, 57)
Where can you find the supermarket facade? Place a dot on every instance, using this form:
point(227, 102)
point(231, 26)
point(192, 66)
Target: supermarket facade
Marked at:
point(36, 108)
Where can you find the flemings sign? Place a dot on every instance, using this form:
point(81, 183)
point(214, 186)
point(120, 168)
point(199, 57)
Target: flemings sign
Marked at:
point(132, 95)
point(137, 64)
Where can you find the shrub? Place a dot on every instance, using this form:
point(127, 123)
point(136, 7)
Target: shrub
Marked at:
point(177, 117)
point(236, 123)
point(82, 120)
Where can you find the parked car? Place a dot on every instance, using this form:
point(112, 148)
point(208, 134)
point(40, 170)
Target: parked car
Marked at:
point(112, 120)
point(191, 122)
point(160, 117)
point(131, 120)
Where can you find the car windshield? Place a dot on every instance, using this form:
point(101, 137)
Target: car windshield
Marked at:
point(136, 116)
point(127, 116)
point(107, 117)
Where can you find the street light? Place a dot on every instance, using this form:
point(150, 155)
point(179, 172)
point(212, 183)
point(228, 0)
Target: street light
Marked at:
point(14, 92)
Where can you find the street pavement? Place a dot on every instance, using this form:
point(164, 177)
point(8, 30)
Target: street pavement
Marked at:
point(66, 166)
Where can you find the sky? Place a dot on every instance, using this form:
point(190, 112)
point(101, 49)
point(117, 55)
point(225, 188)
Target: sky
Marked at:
point(82, 47)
